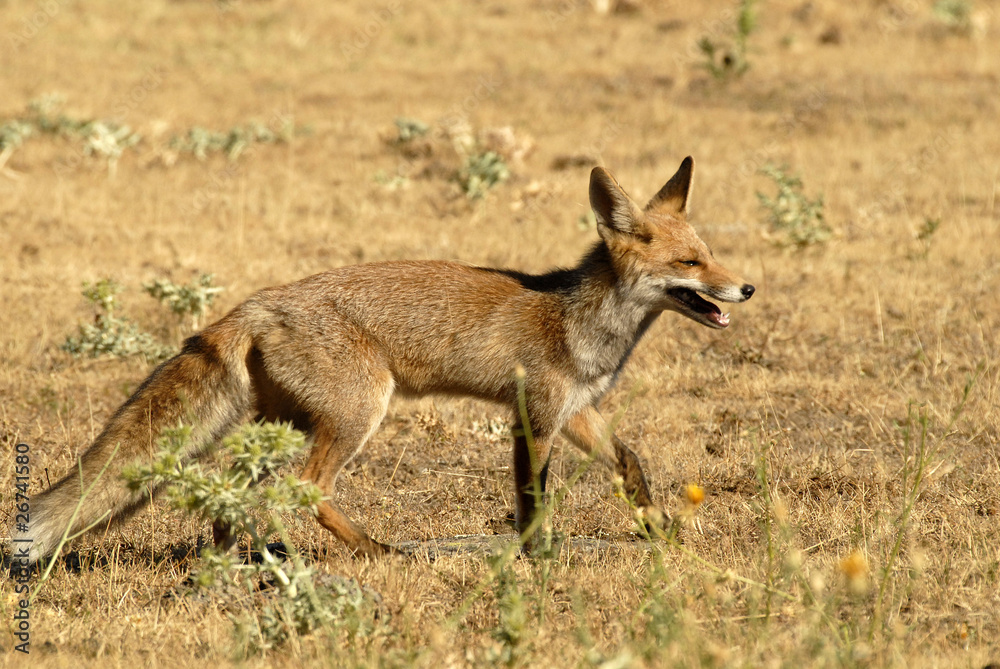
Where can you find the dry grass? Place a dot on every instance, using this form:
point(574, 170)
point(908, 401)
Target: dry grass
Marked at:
point(794, 420)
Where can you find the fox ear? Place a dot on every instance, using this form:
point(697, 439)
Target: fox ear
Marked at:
point(613, 207)
point(673, 197)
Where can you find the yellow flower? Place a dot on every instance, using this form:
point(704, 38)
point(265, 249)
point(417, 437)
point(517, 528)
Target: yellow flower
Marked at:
point(854, 566)
point(694, 493)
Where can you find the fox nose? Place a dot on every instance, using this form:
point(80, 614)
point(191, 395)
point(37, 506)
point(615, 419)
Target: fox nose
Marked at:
point(747, 291)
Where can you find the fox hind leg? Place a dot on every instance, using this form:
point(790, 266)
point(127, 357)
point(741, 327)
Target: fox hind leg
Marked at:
point(336, 438)
point(332, 384)
point(337, 435)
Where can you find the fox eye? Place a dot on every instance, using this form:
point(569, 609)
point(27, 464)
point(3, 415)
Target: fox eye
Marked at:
point(690, 263)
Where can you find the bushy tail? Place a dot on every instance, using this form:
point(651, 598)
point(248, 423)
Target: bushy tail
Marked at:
point(206, 385)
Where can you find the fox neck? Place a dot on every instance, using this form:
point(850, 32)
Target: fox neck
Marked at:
point(604, 319)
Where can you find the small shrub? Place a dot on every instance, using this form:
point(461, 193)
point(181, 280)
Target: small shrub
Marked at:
point(103, 295)
point(723, 60)
point(45, 115)
point(410, 129)
point(12, 135)
point(235, 496)
point(482, 172)
point(110, 335)
point(956, 15)
point(193, 299)
point(234, 143)
point(104, 138)
point(794, 219)
point(108, 140)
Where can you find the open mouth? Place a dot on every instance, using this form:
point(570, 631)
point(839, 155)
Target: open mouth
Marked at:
point(695, 307)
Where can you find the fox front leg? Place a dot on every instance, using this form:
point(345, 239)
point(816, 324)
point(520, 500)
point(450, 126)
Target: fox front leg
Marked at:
point(531, 467)
point(590, 433)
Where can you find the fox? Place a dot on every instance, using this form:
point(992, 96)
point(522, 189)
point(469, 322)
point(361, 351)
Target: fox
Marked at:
point(327, 352)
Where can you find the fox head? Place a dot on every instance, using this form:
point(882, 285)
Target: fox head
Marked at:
point(658, 254)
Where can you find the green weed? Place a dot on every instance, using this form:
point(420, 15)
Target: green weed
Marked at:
point(193, 299)
point(12, 135)
point(956, 15)
point(251, 497)
point(794, 219)
point(410, 129)
point(108, 140)
point(482, 171)
point(728, 59)
point(109, 334)
point(201, 142)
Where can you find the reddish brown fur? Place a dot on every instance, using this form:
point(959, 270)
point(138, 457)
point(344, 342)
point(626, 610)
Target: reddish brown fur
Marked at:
point(351, 337)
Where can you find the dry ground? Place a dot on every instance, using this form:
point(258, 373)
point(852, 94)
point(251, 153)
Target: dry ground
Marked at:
point(794, 419)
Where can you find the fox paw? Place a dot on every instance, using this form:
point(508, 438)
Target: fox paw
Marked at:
point(653, 521)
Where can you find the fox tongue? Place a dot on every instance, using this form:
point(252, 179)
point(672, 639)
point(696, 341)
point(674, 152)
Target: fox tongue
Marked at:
point(714, 314)
point(702, 308)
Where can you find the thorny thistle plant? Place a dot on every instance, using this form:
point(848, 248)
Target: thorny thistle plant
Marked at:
point(482, 172)
point(409, 129)
point(235, 497)
point(481, 158)
point(43, 116)
point(109, 334)
point(192, 299)
point(44, 113)
point(794, 219)
point(108, 140)
point(12, 135)
point(103, 294)
point(119, 337)
point(233, 143)
point(104, 138)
